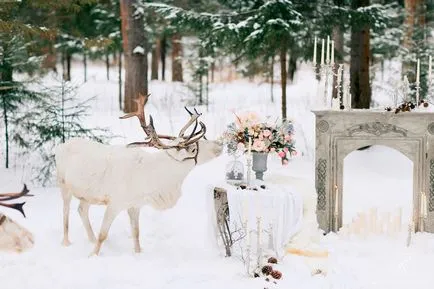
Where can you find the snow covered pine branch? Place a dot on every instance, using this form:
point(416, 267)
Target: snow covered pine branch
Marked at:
point(127, 178)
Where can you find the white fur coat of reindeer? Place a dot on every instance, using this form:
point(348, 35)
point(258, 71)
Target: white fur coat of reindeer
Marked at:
point(123, 178)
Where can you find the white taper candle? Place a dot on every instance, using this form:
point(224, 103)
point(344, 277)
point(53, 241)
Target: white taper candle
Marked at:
point(322, 52)
point(328, 50)
point(314, 51)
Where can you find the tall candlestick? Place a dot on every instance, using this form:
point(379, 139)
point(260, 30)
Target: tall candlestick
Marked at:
point(322, 52)
point(314, 51)
point(328, 50)
point(333, 53)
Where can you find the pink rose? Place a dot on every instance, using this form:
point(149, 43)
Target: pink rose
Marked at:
point(287, 137)
point(258, 145)
point(266, 133)
point(272, 150)
point(294, 153)
point(281, 154)
point(285, 150)
point(260, 136)
point(284, 162)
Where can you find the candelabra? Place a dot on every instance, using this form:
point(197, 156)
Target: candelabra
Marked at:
point(327, 71)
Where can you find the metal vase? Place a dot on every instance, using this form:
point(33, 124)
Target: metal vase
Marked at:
point(259, 165)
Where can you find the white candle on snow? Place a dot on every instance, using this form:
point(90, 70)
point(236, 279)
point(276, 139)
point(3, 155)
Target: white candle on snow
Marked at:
point(314, 51)
point(418, 71)
point(333, 53)
point(328, 50)
point(322, 52)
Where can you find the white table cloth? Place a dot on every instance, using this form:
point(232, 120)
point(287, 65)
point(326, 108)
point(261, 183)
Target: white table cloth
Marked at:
point(280, 208)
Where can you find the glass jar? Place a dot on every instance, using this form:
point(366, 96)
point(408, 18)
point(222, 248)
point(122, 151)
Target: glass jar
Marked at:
point(235, 170)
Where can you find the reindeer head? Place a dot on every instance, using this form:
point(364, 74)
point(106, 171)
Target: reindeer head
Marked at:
point(182, 147)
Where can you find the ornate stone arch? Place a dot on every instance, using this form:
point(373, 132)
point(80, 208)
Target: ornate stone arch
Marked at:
point(338, 133)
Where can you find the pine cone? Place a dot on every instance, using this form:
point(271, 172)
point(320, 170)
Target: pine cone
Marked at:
point(267, 269)
point(425, 104)
point(272, 260)
point(276, 274)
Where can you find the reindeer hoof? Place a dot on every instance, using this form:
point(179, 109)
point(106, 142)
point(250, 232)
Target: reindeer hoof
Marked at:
point(66, 243)
point(93, 254)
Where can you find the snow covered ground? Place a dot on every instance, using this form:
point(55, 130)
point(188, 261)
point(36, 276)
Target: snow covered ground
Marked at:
point(175, 252)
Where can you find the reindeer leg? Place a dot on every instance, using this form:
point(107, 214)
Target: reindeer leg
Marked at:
point(109, 216)
point(134, 219)
point(83, 211)
point(66, 208)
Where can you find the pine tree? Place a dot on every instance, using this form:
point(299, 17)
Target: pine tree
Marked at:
point(56, 117)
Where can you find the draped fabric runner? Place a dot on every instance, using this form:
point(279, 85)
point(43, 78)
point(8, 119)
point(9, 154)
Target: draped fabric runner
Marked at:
point(280, 208)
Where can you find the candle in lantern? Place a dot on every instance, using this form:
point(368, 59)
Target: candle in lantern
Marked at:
point(314, 51)
point(333, 53)
point(328, 50)
point(322, 52)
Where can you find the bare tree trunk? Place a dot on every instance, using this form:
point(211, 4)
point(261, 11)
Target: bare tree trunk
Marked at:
point(292, 67)
point(176, 58)
point(6, 76)
point(120, 79)
point(283, 79)
point(163, 45)
point(212, 71)
point(62, 59)
point(135, 52)
point(107, 65)
point(68, 66)
point(85, 65)
point(359, 70)
point(155, 60)
point(414, 19)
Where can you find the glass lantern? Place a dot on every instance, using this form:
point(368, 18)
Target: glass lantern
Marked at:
point(235, 170)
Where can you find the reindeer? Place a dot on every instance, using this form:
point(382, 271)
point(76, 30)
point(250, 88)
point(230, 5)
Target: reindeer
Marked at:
point(127, 178)
point(13, 237)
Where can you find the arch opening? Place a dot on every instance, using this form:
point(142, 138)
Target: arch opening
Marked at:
point(377, 178)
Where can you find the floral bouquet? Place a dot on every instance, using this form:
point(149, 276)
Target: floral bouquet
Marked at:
point(266, 136)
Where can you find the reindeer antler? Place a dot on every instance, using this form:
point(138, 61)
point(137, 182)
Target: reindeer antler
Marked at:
point(153, 139)
point(12, 196)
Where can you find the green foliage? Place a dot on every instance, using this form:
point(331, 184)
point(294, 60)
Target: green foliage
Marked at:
point(53, 119)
